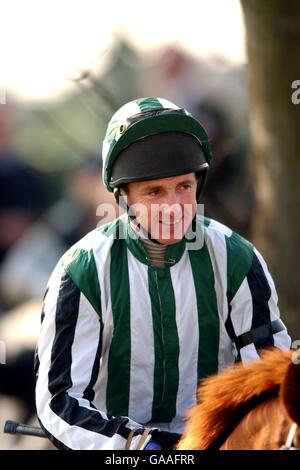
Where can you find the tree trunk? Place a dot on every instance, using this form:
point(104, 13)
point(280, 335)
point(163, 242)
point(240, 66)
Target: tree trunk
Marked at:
point(273, 43)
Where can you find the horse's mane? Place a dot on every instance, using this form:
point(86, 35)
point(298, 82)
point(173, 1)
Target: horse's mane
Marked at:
point(225, 398)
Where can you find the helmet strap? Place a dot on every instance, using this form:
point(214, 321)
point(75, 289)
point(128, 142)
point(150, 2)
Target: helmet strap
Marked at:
point(201, 180)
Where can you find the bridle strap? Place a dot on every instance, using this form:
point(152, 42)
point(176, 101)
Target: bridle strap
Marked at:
point(141, 441)
point(290, 444)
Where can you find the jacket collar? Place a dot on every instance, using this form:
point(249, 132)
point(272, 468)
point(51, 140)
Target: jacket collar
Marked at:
point(172, 255)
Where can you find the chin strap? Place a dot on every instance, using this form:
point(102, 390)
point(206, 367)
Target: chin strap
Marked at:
point(201, 180)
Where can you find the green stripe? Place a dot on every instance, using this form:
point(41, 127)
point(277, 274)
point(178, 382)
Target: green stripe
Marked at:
point(146, 104)
point(208, 317)
point(118, 383)
point(239, 260)
point(81, 267)
point(166, 344)
point(207, 221)
point(114, 228)
point(158, 345)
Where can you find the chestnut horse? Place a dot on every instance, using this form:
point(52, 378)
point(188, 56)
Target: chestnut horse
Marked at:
point(252, 407)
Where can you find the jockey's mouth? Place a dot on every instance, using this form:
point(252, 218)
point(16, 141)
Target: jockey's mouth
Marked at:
point(171, 223)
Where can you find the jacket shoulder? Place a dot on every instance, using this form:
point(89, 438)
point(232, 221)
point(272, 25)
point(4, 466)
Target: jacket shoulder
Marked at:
point(238, 252)
point(83, 260)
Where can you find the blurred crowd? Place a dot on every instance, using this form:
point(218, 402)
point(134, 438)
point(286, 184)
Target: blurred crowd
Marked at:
point(34, 233)
point(40, 219)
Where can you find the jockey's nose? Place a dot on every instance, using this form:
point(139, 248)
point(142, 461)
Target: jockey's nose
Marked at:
point(172, 197)
point(171, 212)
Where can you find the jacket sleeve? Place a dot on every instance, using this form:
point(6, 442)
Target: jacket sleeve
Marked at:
point(253, 321)
point(67, 366)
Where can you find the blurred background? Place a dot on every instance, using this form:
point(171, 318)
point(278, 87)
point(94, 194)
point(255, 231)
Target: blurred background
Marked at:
point(66, 67)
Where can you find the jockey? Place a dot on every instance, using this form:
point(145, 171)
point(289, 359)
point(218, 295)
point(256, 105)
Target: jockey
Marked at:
point(142, 309)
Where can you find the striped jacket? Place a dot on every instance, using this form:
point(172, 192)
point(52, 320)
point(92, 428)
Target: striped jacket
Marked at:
point(124, 344)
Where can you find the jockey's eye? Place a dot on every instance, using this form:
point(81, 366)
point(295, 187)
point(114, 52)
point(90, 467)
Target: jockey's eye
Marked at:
point(185, 186)
point(154, 192)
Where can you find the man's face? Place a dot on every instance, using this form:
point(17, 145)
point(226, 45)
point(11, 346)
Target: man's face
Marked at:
point(164, 207)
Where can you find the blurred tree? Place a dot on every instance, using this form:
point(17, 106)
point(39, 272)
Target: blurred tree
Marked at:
point(273, 42)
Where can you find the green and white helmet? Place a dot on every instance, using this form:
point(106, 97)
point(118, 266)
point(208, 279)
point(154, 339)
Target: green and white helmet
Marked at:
point(137, 120)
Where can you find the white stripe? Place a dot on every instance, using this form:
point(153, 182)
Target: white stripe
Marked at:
point(45, 341)
point(102, 260)
point(167, 104)
point(101, 252)
point(128, 109)
point(249, 353)
point(242, 309)
point(216, 244)
point(120, 116)
point(188, 334)
point(281, 339)
point(83, 351)
point(214, 225)
point(142, 343)
point(241, 316)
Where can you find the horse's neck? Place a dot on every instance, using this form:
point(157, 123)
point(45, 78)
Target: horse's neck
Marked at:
point(264, 427)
